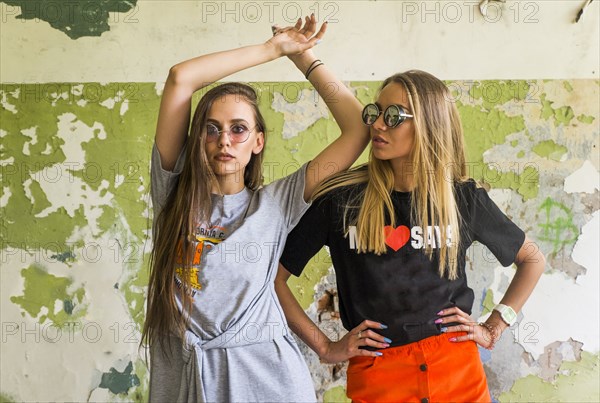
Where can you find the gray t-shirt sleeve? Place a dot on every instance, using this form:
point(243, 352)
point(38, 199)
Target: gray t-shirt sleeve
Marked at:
point(163, 181)
point(288, 193)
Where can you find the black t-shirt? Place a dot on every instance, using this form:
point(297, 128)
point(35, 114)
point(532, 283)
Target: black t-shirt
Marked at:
point(401, 288)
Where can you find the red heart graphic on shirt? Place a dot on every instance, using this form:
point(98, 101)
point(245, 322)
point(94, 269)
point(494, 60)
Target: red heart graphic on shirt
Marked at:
point(396, 238)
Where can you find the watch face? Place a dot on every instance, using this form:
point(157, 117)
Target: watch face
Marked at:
point(507, 313)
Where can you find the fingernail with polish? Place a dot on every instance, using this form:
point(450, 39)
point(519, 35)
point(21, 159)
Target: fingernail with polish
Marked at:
point(318, 41)
point(444, 329)
point(438, 321)
point(378, 353)
point(440, 312)
point(387, 340)
point(452, 339)
point(383, 326)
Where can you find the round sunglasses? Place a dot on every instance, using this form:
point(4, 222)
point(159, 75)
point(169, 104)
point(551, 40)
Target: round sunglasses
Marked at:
point(238, 133)
point(393, 115)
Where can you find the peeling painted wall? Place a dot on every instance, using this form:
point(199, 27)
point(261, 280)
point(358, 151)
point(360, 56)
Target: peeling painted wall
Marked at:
point(75, 210)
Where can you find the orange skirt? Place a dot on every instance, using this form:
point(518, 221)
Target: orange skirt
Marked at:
point(431, 370)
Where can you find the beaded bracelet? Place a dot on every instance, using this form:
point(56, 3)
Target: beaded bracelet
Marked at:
point(313, 66)
point(493, 334)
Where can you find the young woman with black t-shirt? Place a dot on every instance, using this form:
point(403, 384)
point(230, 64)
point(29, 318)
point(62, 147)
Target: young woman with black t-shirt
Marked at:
point(398, 229)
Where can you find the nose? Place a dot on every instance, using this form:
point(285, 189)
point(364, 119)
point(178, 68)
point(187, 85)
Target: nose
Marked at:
point(223, 139)
point(379, 124)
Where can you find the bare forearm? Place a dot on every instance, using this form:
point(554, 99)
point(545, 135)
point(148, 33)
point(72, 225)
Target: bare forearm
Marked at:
point(530, 267)
point(201, 71)
point(346, 110)
point(522, 285)
point(343, 105)
point(299, 321)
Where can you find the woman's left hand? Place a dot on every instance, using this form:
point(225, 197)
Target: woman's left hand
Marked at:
point(290, 41)
point(479, 334)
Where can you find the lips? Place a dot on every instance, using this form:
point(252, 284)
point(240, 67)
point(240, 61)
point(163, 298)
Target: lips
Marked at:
point(378, 140)
point(224, 157)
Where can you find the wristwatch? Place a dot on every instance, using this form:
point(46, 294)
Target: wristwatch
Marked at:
point(508, 315)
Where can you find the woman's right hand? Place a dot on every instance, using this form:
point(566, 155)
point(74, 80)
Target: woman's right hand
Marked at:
point(349, 345)
point(290, 41)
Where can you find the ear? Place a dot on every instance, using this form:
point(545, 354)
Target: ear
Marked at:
point(259, 143)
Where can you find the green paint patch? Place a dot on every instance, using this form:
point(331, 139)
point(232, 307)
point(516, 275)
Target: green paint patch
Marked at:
point(6, 398)
point(568, 86)
point(484, 129)
point(77, 18)
point(547, 110)
point(521, 154)
point(302, 287)
point(366, 91)
point(514, 143)
point(336, 395)
point(493, 93)
point(549, 149)
point(40, 201)
point(577, 382)
point(109, 219)
point(562, 115)
point(526, 184)
point(529, 183)
point(142, 392)
point(42, 289)
point(119, 382)
point(586, 119)
point(488, 302)
point(278, 151)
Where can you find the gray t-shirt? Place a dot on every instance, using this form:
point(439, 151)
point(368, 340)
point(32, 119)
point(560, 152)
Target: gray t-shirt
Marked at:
point(237, 346)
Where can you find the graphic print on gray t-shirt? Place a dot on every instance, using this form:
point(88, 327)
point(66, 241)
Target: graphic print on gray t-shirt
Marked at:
point(228, 215)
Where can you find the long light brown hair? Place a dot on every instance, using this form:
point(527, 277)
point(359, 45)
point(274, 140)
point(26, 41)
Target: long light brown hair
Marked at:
point(437, 162)
point(188, 205)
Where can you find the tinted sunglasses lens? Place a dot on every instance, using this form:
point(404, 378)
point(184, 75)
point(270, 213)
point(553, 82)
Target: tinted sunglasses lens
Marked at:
point(370, 114)
point(393, 116)
point(212, 132)
point(239, 133)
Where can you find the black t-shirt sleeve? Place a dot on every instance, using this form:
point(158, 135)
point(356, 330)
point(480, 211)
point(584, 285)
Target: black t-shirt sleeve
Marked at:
point(492, 227)
point(307, 238)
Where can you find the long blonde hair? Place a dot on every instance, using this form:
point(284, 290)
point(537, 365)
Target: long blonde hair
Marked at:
point(437, 163)
point(189, 204)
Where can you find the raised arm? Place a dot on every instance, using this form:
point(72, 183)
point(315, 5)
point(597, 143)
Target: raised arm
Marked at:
point(189, 76)
point(346, 111)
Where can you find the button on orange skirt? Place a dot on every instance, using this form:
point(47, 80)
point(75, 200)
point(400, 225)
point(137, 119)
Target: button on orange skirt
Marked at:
point(431, 370)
